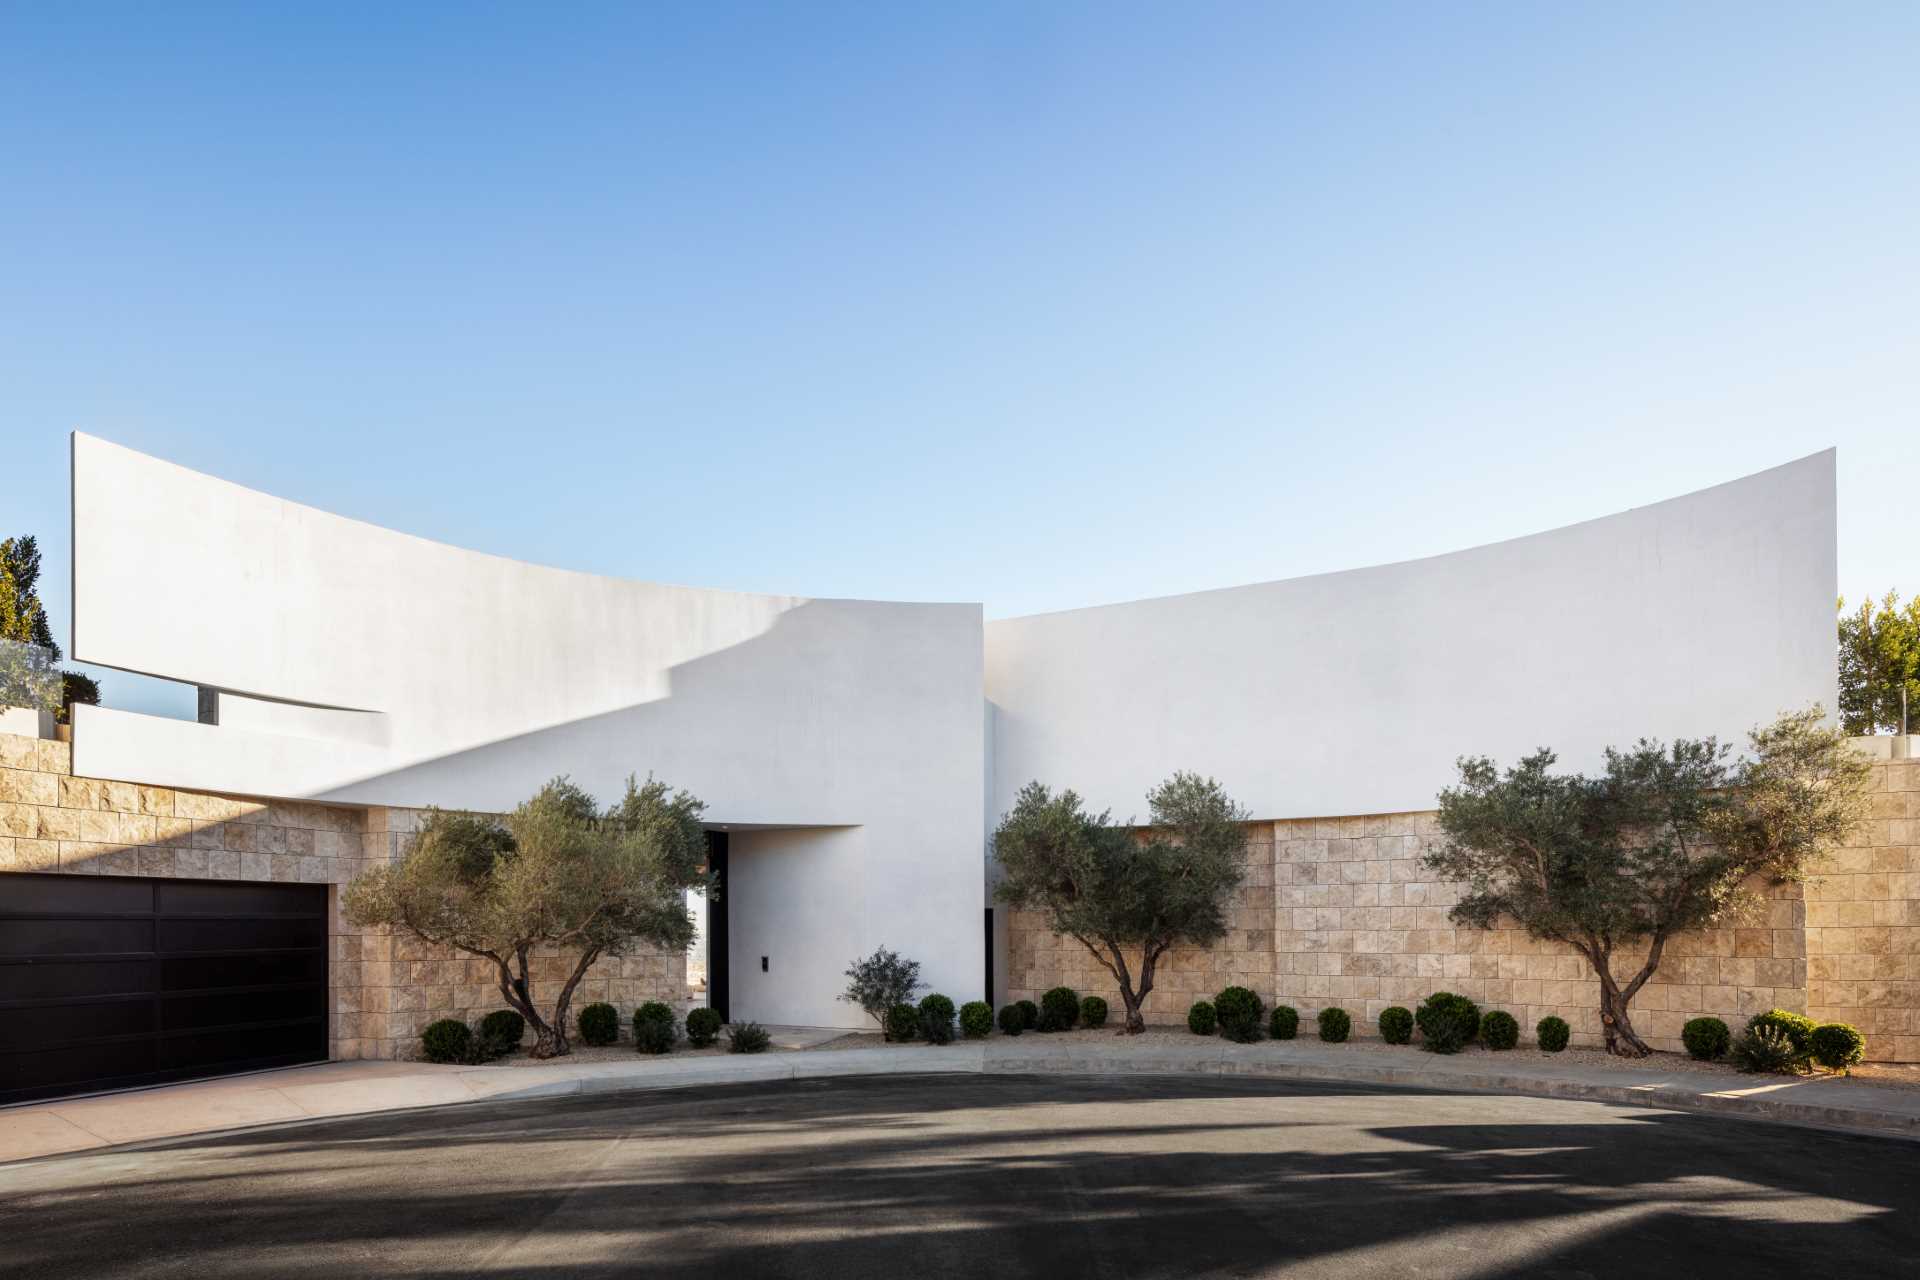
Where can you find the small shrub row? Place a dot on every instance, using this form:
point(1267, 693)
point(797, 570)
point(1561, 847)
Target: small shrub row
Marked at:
point(1779, 1041)
point(1236, 1013)
point(451, 1040)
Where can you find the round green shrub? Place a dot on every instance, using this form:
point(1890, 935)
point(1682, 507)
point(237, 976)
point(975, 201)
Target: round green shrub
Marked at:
point(1705, 1038)
point(1029, 1012)
point(703, 1027)
point(599, 1023)
point(501, 1032)
point(936, 1019)
point(1837, 1046)
point(1201, 1019)
point(1059, 1009)
point(1093, 1012)
point(1499, 1030)
point(1284, 1022)
point(976, 1019)
point(1396, 1025)
point(1335, 1025)
point(750, 1037)
point(653, 1011)
point(1239, 1011)
point(650, 1035)
point(1013, 1020)
point(1797, 1029)
point(903, 1023)
point(1447, 1022)
point(1552, 1033)
point(446, 1040)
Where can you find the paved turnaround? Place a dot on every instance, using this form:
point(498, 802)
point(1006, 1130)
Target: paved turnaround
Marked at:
point(1005, 1175)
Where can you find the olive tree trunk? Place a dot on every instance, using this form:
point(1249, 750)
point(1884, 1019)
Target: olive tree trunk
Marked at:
point(1616, 1025)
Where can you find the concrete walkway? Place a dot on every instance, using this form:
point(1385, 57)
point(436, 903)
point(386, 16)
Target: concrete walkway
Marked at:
point(357, 1088)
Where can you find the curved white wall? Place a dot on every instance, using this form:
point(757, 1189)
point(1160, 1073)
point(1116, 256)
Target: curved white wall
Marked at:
point(1353, 693)
point(453, 678)
point(850, 736)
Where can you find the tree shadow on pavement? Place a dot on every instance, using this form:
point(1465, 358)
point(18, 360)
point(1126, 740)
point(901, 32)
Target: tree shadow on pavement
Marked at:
point(939, 1176)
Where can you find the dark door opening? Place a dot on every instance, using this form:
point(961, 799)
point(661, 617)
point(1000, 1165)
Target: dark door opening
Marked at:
point(717, 926)
point(988, 997)
point(109, 981)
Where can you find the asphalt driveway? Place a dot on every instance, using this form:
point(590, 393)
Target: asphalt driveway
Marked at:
point(933, 1176)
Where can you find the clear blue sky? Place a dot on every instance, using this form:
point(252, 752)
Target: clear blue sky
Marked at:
point(1040, 306)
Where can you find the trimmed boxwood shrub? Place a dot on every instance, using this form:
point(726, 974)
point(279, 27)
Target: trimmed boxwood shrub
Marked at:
point(446, 1040)
point(599, 1023)
point(650, 1035)
point(1396, 1025)
point(1837, 1046)
point(1705, 1038)
point(1499, 1030)
point(1093, 1012)
point(936, 1019)
point(1797, 1029)
point(903, 1023)
point(703, 1027)
point(1059, 1009)
point(1335, 1025)
point(750, 1037)
point(501, 1032)
point(653, 1011)
point(976, 1019)
point(1284, 1022)
point(1029, 1012)
point(1012, 1020)
point(1552, 1033)
point(1447, 1022)
point(1201, 1019)
point(1239, 1012)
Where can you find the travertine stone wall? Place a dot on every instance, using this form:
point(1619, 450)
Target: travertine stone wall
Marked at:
point(1357, 922)
point(384, 990)
point(1863, 921)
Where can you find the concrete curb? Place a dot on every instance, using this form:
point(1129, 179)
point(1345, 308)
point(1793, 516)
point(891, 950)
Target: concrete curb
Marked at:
point(1643, 1090)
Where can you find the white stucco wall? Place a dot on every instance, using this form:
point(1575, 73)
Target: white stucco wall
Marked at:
point(1353, 693)
point(859, 751)
point(457, 679)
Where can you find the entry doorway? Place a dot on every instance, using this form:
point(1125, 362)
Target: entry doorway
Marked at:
point(714, 935)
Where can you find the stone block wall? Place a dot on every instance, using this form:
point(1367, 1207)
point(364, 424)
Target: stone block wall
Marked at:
point(1863, 922)
point(384, 989)
point(1356, 921)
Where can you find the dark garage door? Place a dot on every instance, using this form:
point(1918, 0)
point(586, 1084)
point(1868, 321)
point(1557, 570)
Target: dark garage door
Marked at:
point(107, 981)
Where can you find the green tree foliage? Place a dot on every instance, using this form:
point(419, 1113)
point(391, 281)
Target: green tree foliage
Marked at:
point(27, 652)
point(880, 981)
point(556, 871)
point(1879, 658)
point(1114, 889)
point(22, 616)
point(1666, 840)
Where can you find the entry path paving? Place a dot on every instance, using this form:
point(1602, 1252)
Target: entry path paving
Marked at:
point(359, 1088)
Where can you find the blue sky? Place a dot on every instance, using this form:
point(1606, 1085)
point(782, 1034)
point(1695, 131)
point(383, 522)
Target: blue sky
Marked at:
point(1041, 306)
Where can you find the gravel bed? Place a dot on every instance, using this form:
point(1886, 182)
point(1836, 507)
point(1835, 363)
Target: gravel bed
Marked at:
point(1897, 1076)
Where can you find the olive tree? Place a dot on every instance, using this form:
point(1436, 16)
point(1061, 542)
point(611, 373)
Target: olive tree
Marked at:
point(1667, 839)
point(1115, 888)
point(557, 871)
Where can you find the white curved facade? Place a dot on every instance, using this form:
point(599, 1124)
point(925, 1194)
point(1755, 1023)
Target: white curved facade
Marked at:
point(857, 751)
point(1354, 693)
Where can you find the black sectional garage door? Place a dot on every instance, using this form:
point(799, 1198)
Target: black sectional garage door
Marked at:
point(107, 982)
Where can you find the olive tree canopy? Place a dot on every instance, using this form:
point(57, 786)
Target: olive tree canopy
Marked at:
point(556, 871)
point(1113, 888)
point(1667, 840)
